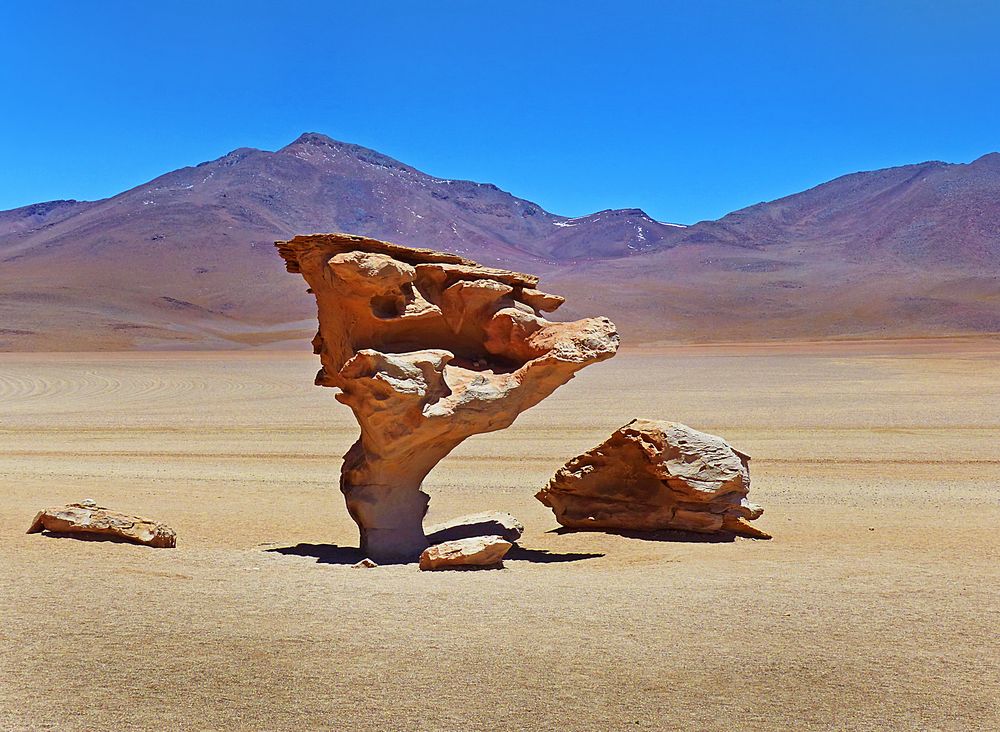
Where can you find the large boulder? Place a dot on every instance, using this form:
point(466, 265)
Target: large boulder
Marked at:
point(88, 520)
point(651, 475)
point(495, 523)
point(477, 551)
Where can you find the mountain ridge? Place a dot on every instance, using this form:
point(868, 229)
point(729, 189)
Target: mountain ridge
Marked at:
point(185, 259)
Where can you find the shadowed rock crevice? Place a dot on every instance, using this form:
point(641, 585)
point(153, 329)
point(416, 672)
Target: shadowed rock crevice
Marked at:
point(427, 348)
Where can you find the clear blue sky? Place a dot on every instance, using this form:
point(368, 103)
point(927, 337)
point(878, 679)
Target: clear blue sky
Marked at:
point(685, 109)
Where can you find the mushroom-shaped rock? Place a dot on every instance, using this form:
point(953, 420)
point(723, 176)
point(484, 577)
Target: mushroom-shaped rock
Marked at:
point(427, 348)
point(651, 475)
point(476, 551)
point(88, 520)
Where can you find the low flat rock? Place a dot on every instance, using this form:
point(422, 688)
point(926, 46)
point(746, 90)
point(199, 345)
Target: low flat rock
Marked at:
point(477, 551)
point(488, 523)
point(88, 520)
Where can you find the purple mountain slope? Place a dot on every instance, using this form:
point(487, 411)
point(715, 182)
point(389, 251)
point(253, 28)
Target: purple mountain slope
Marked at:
point(186, 260)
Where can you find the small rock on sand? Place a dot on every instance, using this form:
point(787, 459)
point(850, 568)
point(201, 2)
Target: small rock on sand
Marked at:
point(476, 551)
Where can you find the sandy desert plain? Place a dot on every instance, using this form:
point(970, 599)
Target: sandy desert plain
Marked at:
point(875, 607)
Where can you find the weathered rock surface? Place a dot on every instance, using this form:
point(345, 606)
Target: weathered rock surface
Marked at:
point(489, 523)
point(652, 475)
point(365, 563)
point(476, 551)
point(428, 349)
point(88, 520)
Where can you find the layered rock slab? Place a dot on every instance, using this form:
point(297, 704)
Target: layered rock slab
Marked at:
point(652, 475)
point(476, 551)
point(88, 520)
point(489, 523)
point(427, 348)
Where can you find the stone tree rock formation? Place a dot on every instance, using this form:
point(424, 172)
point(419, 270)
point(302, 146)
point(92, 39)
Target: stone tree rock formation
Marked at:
point(652, 475)
point(427, 349)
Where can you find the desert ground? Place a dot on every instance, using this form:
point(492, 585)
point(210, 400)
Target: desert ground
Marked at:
point(875, 606)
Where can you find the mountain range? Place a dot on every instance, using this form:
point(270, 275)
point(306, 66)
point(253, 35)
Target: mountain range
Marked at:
point(187, 259)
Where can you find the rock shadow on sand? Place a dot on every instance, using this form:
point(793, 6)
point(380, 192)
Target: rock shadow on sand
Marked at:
point(322, 553)
point(84, 536)
point(350, 555)
point(543, 556)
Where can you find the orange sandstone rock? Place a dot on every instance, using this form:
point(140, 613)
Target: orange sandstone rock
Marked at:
point(427, 348)
point(652, 475)
point(87, 519)
point(476, 551)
